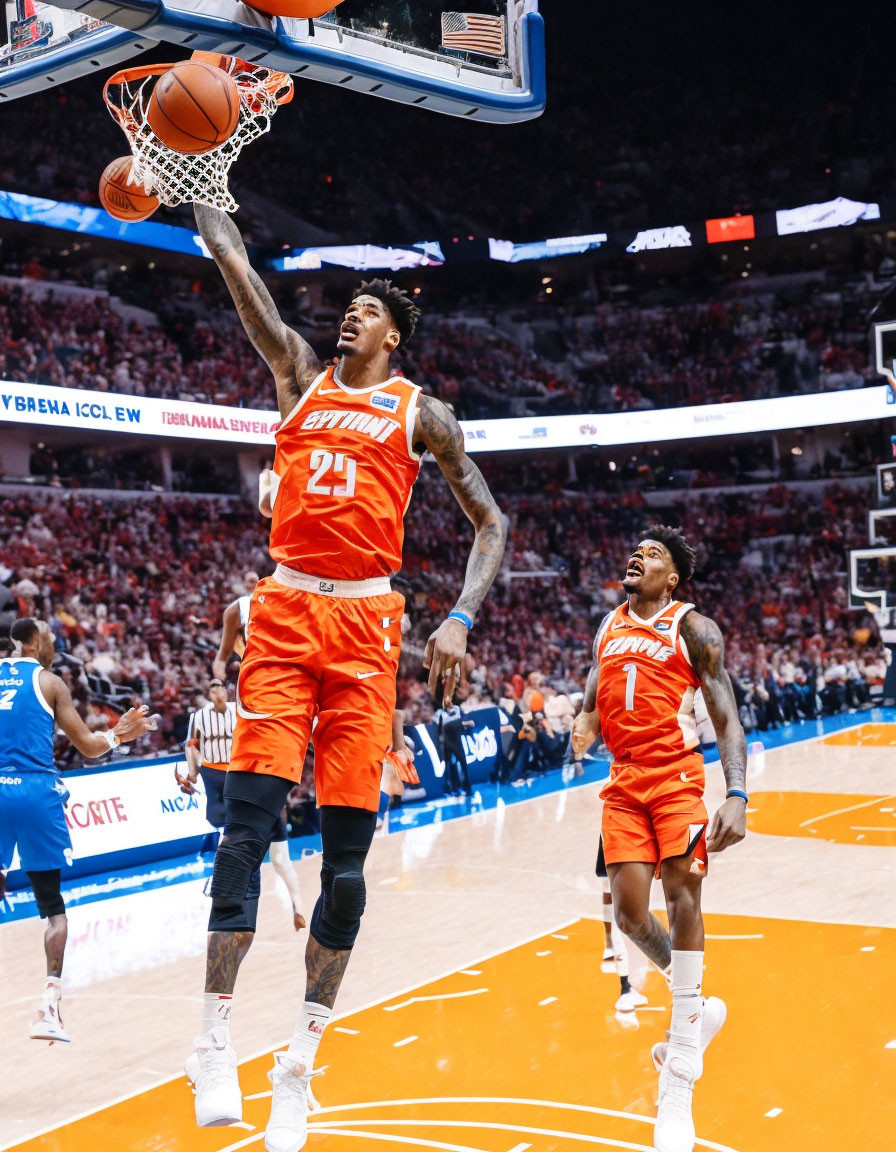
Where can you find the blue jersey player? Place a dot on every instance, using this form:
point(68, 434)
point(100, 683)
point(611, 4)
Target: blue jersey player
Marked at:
point(32, 796)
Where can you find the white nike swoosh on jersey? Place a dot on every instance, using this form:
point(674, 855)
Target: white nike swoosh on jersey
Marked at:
point(364, 675)
point(329, 391)
point(685, 779)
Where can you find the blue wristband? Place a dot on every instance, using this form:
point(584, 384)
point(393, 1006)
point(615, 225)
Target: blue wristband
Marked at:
point(462, 616)
point(737, 792)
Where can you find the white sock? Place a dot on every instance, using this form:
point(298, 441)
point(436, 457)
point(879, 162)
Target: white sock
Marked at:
point(215, 1012)
point(308, 1032)
point(619, 949)
point(687, 1004)
point(52, 991)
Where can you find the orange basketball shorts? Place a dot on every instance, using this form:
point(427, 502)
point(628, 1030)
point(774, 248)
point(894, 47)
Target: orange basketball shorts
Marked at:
point(653, 813)
point(315, 656)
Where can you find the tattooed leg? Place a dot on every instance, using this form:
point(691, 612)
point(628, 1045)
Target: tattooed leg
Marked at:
point(324, 970)
point(630, 884)
point(226, 951)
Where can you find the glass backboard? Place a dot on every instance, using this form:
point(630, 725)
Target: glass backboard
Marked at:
point(482, 59)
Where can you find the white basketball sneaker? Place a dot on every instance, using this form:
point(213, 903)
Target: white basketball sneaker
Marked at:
point(631, 1000)
point(714, 1014)
point(48, 1022)
point(291, 1101)
point(213, 1072)
point(674, 1131)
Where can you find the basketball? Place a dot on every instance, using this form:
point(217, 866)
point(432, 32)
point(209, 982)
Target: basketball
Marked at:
point(194, 107)
point(122, 199)
point(295, 9)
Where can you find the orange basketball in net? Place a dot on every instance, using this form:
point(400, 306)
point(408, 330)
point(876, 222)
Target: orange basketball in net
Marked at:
point(121, 199)
point(194, 107)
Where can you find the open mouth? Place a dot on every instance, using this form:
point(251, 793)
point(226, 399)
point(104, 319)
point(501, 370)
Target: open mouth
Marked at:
point(348, 329)
point(635, 570)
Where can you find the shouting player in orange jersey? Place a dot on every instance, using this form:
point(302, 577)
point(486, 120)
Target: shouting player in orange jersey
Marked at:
point(650, 656)
point(323, 643)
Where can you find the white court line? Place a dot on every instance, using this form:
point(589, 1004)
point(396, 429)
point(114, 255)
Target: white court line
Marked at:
point(441, 996)
point(843, 811)
point(407, 1040)
point(868, 948)
point(866, 828)
point(567, 923)
point(520, 1148)
point(549, 1000)
point(470, 972)
point(348, 1031)
point(773, 1112)
point(543, 953)
point(259, 1095)
point(494, 1126)
point(745, 936)
point(560, 1106)
point(891, 1044)
point(399, 1140)
point(556, 936)
point(389, 880)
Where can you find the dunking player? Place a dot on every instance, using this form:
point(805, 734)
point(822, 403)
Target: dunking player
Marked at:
point(208, 750)
point(32, 795)
point(650, 656)
point(324, 641)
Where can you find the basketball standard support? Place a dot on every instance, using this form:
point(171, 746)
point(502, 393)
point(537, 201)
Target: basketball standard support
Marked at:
point(311, 49)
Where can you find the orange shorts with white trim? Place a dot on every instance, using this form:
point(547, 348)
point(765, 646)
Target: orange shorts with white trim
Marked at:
point(651, 814)
point(325, 657)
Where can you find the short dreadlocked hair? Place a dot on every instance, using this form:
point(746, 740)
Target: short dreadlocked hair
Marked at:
point(402, 309)
point(684, 557)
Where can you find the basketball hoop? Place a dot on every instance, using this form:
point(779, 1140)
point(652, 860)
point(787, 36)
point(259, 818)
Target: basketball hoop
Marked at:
point(174, 177)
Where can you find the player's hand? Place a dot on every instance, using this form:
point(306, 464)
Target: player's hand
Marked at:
point(585, 730)
point(185, 783)
point(403, 763)
point(135, 722)
point(444, 651)
point(729, 825)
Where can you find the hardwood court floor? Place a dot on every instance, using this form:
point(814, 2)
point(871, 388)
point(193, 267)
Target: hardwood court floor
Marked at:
point(802, 945)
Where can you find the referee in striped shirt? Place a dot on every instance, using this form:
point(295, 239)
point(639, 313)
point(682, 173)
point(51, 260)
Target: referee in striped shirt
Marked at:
point(209, 740)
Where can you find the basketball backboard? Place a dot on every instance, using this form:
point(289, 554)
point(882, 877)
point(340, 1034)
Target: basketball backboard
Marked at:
point(872, 578)
point(483, 60)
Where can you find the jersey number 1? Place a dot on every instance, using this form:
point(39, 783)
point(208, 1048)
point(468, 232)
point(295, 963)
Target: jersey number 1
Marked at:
point(632, 670)
point(340, 465)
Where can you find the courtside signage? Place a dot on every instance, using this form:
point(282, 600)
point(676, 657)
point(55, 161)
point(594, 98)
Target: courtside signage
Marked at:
point(145, 415)
point(122, 809)
point(107, 412)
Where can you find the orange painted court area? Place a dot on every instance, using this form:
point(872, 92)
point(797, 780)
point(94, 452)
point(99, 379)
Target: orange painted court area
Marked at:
point(864, 736)
point(524, 1051)
point(833, 816)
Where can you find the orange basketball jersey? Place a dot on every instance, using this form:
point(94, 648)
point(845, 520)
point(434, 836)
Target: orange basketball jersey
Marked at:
point(343, 473)
point(646, 686)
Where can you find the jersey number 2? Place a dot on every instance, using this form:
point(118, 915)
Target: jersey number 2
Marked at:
point(632, 670)
point(6, 698)
point(340, 465)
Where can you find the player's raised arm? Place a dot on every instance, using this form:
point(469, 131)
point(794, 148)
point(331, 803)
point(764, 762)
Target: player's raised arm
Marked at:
point(291, 359)
point(707, 651)
point(438, 431)
point(132, 724)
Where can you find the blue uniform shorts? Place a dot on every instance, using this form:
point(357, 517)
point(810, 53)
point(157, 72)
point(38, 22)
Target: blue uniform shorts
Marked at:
point(32, 816)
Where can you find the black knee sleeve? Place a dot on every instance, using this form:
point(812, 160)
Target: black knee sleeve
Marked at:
point(236, 879)
point(47, 892)
point(346, 835)
point(233, 915)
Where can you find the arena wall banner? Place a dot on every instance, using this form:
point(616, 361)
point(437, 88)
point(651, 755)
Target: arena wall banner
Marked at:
point(148, 416)
point(122, 816)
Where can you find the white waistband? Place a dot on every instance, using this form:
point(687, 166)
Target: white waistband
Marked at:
point(343, 589)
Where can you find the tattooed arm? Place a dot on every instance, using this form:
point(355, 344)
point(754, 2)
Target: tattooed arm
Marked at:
point(291, 359)
point(707, 651)
point(437, 431)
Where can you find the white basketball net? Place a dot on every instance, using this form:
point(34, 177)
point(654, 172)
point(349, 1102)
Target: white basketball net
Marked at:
point(174, 177)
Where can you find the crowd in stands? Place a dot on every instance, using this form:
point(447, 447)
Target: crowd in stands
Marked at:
point(134, 588)
point(551, 358)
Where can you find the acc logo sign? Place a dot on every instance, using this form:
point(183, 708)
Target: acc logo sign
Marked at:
point(481, 745)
